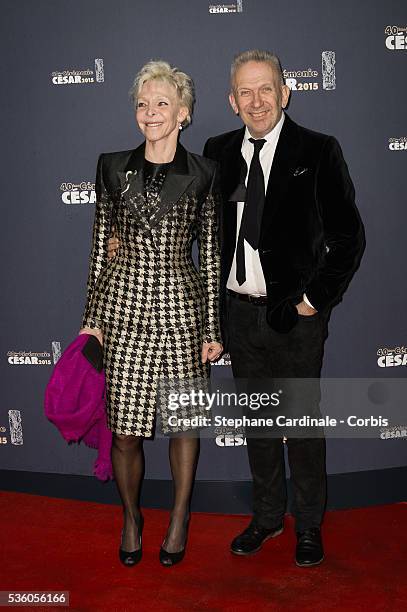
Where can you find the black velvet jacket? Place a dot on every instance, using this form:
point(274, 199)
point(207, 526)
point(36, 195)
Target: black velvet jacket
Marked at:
point(312, 237)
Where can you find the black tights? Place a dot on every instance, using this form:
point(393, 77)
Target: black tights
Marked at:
point(128, 467)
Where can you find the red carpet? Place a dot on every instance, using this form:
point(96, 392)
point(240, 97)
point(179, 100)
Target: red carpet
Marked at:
point(54, 544)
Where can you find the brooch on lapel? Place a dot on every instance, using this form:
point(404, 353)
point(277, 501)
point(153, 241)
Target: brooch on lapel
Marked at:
point(127, 180)
point(298, 171)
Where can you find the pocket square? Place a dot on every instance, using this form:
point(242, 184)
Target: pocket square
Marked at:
point(298, 171)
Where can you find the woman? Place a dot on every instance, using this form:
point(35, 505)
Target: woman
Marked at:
point(156, 316)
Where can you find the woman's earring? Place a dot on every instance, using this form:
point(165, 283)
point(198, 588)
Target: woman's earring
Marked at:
point(180, 126)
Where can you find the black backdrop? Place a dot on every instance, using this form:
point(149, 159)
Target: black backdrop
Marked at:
point(66, 70)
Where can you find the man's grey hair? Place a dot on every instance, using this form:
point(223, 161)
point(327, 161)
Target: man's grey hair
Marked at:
point(163, 71)
point(255, 55)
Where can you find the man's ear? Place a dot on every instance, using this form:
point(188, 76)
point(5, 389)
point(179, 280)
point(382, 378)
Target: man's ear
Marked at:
point(233, 103)
point(285, 95)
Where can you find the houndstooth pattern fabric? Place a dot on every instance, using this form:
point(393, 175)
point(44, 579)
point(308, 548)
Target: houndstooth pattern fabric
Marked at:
point(139, 363)
point(154, 307)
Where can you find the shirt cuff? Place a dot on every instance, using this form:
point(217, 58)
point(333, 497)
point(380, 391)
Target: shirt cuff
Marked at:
point(306, 300)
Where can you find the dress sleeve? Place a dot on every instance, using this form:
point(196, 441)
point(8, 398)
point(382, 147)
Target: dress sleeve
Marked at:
point(209, 258)
point(98, 255)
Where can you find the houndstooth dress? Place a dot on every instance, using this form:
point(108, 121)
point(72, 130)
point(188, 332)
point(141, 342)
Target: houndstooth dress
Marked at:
point(154, 307)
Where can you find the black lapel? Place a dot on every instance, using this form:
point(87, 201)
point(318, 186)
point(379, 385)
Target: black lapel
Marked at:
point(284, 164)
point(176, 183)
point(233, 173)
point(132, 185)
point(232, 166)
point(134, 164)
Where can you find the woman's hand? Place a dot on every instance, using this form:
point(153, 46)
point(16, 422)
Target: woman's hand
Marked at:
point(112, 246)
point(93, 332)
point(211, 351)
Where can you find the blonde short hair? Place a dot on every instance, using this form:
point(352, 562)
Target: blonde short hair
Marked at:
point(163, 71)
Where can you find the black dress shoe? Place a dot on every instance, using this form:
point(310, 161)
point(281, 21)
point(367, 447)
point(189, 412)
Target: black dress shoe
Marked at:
point(253, 538)
point(309, 549)
point(172, 558)
point(133, 557)
point(168, 559)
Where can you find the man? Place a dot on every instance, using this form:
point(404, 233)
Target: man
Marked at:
point(291, 240)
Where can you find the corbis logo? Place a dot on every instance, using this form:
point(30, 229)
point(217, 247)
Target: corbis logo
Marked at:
point(396, 38)
point(31, 358)
point(80, 77)
point(391, 357)
point(223, 361)
point(398, 144)
point(393, 433)
point(78, 193)
point(235, 7)
point(310, 79)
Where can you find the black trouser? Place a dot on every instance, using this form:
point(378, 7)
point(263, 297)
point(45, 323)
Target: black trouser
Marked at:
point(259, 352)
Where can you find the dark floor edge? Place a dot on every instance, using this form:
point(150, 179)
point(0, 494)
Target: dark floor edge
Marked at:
point(349, 490)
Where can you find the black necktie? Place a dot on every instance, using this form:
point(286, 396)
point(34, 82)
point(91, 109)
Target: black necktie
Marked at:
point(252, 212)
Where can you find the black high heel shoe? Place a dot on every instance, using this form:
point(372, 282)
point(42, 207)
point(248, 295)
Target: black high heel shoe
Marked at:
point(167, 558)
point(132, 558)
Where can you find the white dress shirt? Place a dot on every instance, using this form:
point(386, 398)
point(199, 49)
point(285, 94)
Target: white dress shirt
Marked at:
point(255, 283)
